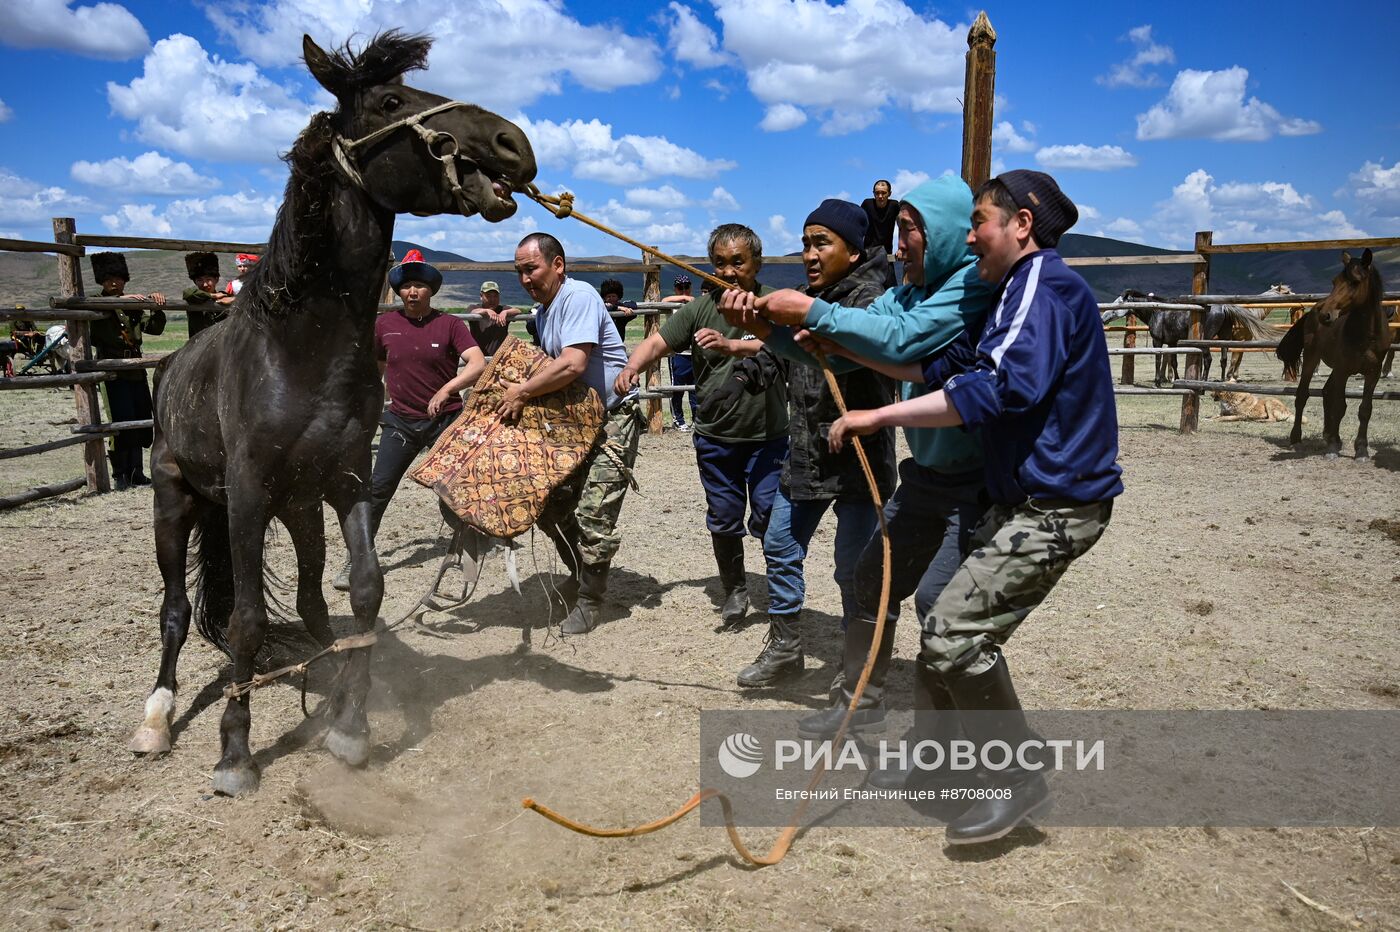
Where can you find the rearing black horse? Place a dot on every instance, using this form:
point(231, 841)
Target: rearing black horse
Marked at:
point(272, 412)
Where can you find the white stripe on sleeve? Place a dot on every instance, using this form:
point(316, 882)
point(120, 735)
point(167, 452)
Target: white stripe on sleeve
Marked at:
point(1019, 320)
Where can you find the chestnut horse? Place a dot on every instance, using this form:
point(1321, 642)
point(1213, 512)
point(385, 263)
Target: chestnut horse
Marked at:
point(271, 412)
point(1348, 331)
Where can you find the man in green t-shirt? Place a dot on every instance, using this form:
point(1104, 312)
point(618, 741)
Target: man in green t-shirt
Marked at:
point(740, 446)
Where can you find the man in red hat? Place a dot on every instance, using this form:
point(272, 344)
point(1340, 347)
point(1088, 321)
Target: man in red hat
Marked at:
point(419, 350)
point(245, 262)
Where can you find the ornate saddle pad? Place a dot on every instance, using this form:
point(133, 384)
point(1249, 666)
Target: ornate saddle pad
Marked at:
point(496, 477)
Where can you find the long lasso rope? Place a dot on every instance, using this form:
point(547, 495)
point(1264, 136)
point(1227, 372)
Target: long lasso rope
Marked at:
point(563, 206)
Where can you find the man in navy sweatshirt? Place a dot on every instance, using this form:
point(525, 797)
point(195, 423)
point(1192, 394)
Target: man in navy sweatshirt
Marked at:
point(1037, 383)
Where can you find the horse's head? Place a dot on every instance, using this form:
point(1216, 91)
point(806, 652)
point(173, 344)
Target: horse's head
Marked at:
point(1357, 285)
point(411, 151)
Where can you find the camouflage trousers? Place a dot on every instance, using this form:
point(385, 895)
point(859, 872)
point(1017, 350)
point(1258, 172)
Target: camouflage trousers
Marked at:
point(581, 515)
point(1018, 554)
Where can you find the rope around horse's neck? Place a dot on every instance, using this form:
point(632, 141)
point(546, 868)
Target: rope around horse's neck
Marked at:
point(561, 207)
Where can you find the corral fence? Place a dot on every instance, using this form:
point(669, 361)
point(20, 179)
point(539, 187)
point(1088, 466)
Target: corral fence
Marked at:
point(1195, 349)
point(90, 431)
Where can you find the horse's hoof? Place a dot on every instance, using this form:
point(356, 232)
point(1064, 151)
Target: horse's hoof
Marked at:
point(149, 740)
point(236, 781)
point(353, 749)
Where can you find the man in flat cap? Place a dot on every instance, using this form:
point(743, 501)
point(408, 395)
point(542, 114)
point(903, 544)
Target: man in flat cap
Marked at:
point(1037, 382)
point(118, 336)
point(419, 349)
point(205, 305)
point(493, 326)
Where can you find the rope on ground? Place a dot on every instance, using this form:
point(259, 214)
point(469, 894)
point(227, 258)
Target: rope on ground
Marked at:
point(561, 207)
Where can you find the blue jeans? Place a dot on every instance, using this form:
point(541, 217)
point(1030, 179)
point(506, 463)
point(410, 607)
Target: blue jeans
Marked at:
point(682, 373)
point(735, 474)
point(790, 530)
point(930, 517)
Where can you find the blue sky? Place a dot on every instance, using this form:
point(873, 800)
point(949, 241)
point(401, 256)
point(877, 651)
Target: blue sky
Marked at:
point(1259, 121)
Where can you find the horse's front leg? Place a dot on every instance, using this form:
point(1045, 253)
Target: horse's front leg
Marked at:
point(175, 510)
point(348, 737)
point(1334, 407)
point(1300, 398)
point(1363, 412)
point(237, 772)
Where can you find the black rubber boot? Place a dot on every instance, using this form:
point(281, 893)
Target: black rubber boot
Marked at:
point(935, 719)
point(991, 691)
point(592, 584)
point(781, 657)
point(729, 556)
point(870, 715)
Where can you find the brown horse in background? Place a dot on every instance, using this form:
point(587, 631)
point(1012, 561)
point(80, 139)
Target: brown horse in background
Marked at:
point(1348, 331)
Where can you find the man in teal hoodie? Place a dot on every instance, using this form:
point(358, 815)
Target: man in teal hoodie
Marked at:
point(938, 503)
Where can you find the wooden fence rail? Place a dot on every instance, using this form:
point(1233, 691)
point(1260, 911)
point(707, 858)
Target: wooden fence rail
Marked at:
point(77, 310)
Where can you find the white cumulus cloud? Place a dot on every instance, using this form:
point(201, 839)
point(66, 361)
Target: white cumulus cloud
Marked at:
point(1376, 190)
point(905, 181)
point(148, 173)
point(589, 149)
point(721, 199)
point(1212, 105)
point(1133, 72)
point(853, 61)
point(778, 239)
point(662, 198)
point(501, 54)
point(189, 102)
point(24, 202)
point(1005, 137)
point(240, 217)
point(6, 114)
point(1244, 212)
point(692, 41)
point(780, 118)
point(103, 30)
point(1087, 158)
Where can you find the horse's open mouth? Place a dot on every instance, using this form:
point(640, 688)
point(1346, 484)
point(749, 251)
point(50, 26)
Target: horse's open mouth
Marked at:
point(480, 193)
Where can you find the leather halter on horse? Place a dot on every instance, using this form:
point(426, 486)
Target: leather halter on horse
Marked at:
point(441, 146)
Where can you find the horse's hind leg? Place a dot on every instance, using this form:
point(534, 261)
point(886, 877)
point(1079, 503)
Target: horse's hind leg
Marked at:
point(175, 509)
point(1363, 413)
point(237, 772)
point(308, 531)
point(348, 737)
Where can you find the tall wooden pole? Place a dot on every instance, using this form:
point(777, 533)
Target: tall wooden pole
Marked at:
point(651, 323)
point(979, 87)
point(1200, 284)
point(70, 285)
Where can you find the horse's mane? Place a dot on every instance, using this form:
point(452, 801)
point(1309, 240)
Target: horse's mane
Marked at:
point(292, 266)
point(1358, 322)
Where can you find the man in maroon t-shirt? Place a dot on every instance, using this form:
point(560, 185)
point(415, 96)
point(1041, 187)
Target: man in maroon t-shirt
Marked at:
point(419, 349)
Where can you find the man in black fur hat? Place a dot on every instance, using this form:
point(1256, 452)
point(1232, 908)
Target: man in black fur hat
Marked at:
point(118, 336)
point(205, 304)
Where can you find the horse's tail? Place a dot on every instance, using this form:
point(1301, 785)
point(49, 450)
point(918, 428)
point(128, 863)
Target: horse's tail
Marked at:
point(213, 568)
point(1290, 348)
point(1256, 328)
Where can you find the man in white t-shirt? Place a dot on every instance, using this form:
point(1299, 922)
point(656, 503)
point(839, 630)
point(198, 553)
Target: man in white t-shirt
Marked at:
point(574, 328)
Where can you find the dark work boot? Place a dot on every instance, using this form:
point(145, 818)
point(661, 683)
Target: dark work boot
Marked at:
point(592, 584)
point(729, 556)
point(935, 719)
point(781, 657)
point(991, 711)
point(870, 715)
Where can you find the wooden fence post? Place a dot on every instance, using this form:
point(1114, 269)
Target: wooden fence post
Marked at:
point(651, 323)
point(979, 88)
point(70, 285)
point(1129, 342)
point(1200, 284)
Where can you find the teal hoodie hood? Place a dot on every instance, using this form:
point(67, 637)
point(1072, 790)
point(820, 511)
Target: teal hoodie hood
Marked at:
point(910, 323)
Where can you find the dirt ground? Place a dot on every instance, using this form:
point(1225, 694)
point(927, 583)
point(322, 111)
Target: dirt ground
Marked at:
point(1236, 575)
